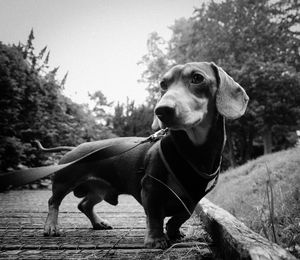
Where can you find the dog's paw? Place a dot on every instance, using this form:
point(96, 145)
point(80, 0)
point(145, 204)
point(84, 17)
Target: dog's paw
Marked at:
point(101, 225)
point(175, 236)
point(51, 230)
point(157, 242)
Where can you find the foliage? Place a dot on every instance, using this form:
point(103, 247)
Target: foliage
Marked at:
point(155, 63)
point(100, 108)
point(131, 120)
point(258, 44)
point(33, 107)
point(127, 119)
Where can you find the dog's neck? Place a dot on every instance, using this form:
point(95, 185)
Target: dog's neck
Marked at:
point(198, 134)
point(208, 148)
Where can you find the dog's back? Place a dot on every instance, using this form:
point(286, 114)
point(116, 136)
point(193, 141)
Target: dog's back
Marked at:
point(89, 147)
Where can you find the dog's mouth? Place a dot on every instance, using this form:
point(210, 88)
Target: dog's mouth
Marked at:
point(196, 123)
point(180, 126)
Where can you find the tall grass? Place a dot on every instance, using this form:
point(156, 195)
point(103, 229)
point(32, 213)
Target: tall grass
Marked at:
point(265, 195)
point(270, 204)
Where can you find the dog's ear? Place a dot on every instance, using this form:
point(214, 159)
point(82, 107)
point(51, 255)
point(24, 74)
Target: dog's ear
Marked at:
point(231, 98)
point(155, 125)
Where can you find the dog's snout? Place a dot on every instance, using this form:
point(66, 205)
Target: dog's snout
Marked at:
point(165, 113)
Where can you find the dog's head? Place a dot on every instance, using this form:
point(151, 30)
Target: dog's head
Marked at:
point(191, 94)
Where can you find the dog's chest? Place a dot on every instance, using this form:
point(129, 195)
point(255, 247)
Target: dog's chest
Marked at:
point(184, 180)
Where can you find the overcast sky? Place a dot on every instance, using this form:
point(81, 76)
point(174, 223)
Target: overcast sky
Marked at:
point(98, 41)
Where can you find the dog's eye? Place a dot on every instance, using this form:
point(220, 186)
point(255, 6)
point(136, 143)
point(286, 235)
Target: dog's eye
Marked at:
point(197, 78)
point(163, 85)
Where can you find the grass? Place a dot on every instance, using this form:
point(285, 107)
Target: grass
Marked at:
point(265, 195)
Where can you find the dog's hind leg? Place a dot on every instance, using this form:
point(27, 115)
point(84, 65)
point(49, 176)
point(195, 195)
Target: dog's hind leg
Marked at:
point(96, 192)
point(58, 194)
point(63, 182)
point(86, 206)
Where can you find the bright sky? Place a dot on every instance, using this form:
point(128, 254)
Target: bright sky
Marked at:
point(98, 41)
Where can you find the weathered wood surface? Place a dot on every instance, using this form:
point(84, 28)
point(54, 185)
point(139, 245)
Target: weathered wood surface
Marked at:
point(22, 216)
point(23, 212)
point(234, 239)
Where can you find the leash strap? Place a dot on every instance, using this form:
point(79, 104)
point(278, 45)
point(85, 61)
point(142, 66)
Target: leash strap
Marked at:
point(211, 184)
point(174, 193)
point(206, 181)
point(22, 177)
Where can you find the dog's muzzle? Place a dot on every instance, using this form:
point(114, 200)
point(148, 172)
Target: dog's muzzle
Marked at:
point(165, 114)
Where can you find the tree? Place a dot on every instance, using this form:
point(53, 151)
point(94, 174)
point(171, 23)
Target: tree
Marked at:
point(131, 120)
point(275, 90)
point(155, 63)
point(258, 44)
point(33, 107)
point(100, 108)
point(119, 120)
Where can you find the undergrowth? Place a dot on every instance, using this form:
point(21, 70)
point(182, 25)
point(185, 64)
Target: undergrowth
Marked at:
point(265, 195)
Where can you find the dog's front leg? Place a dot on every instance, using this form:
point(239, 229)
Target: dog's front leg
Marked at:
point(152, 203)
point(174, 224)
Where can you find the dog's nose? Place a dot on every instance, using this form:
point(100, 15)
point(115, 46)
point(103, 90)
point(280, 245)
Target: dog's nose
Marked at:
point(165, 113)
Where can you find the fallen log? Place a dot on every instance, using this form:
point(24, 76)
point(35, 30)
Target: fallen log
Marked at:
point(234, 239)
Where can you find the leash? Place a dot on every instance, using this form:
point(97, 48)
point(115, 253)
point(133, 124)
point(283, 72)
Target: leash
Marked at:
point(210, 185)
point(178, 165)
point(174, 193)
point(25, 176)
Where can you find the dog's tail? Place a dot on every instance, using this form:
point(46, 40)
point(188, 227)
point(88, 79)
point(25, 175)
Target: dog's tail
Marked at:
point(54, 149)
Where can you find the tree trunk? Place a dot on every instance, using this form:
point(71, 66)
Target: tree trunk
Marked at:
point(230, 146)
point(248, 145)
point(267, 139)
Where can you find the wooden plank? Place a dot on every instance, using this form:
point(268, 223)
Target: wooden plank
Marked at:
point(22, 216)
point(70, 222)
point(236, 241)
point(29, 201)
point(142, 254)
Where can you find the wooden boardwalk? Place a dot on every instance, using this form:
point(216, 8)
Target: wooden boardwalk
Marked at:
point(22, 216)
